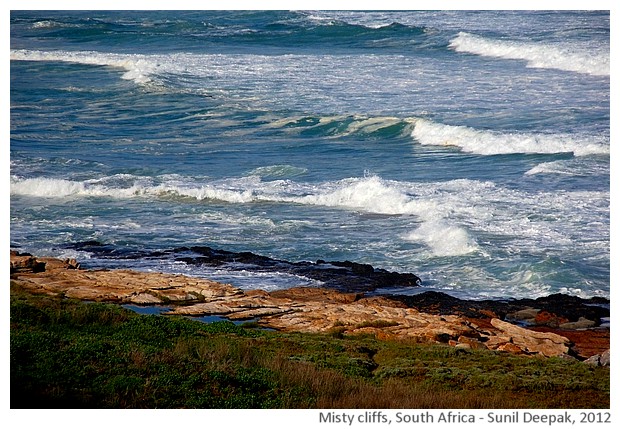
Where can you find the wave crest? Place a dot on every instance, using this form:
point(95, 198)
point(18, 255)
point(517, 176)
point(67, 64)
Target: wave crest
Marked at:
point(496, 143)
point(137, 67)
point(369, 194)
point(443, 239)
point(537, 55)
point(336, 126)
point(46, 188)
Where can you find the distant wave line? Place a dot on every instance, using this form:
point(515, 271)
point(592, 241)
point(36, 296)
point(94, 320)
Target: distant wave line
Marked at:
point(537, 55)
point(486, 142)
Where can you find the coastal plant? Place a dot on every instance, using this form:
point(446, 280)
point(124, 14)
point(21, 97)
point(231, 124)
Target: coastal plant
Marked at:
point(70, 354)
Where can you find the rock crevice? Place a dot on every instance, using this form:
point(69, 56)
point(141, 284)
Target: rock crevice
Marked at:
point(300, 309)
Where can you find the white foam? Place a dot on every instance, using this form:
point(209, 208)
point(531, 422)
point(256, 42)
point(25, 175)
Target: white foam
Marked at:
point(449, 218)
point(553, 167)
point(138, 68)
point(485, 142)
point(370, 194)
point(573, 58)
point(43, 187)
point(207, 192)
point(443, 239)
point(135, 186)
point(45, 24)
point(569, 167)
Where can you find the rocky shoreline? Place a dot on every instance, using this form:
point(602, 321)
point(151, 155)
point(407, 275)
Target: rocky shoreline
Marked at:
point(557, 325)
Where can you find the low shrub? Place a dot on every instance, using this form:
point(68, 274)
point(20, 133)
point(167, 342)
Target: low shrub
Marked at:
point(70, 354)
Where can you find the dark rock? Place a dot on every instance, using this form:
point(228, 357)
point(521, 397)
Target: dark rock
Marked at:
point(107, 251)
point(359, 269)
point(345, 276)
point(441, 303)
point(571, 307)
point(551, 311)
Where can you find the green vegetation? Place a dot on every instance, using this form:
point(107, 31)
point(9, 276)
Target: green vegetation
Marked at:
point(70, 354)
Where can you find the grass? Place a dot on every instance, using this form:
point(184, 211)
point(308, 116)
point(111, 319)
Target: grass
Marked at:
point(69, 354)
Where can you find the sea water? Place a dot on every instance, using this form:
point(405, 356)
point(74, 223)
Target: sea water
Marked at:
point(469, 148)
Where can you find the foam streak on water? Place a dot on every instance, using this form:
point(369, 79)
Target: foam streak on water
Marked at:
point(471, 148)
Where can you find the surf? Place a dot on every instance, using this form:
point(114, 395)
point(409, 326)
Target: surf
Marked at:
point(487, 142)
point(138, 68)
point(537, 55)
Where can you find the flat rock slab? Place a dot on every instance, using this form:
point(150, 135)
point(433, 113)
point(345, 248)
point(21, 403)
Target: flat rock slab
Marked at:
point(296, 309)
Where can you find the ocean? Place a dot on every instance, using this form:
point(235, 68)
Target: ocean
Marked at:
point(471, 148)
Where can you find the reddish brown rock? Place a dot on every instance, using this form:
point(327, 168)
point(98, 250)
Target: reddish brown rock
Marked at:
point(296, 309)
point(471, 342)
point(316, 294)
point(510, 348)
point(549, 319)
point(586, 342)
point(545, 343)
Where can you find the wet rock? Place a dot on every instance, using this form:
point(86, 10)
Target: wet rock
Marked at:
point(306, 309)
point(345, 276)
point(551, 311)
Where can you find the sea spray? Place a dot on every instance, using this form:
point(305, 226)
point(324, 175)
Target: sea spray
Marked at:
point(443, 239)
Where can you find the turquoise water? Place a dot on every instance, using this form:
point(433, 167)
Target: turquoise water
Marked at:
point(470, 148)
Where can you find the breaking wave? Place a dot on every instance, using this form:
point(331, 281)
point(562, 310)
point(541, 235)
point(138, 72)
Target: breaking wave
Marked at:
point(138, 68)
point(443, 239)
point(368, 194)
point(342, 125)
point(537, 55)
point(485, 142)
point(444, 217)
